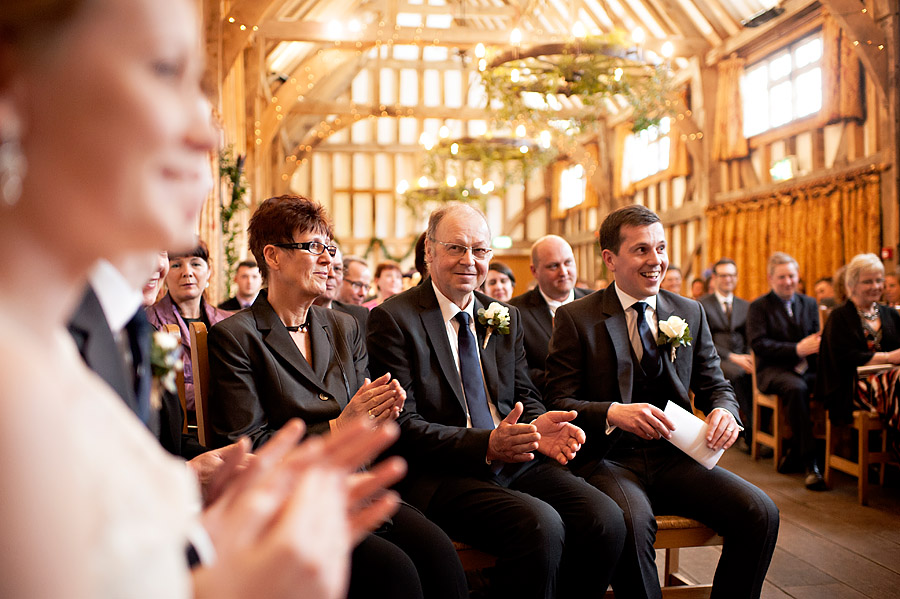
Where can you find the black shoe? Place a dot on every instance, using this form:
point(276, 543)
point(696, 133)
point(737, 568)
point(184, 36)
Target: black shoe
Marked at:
point(788, 464)
point(814, 480)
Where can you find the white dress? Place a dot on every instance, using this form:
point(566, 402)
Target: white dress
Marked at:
point(136, 504)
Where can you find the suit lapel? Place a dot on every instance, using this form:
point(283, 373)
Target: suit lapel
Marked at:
point(664, 310)
point(277, 338)
point(323, 353)
point(617, 328)
point(436, 333)
point(488, 354)
point(542, 312)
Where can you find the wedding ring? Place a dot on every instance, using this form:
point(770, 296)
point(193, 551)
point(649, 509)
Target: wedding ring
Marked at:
point(730, 429)
point(371, 415)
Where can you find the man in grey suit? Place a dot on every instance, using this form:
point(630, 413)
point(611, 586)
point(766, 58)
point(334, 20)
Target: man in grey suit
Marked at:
point(553, 267)
point(608, 362)
point(727, 317)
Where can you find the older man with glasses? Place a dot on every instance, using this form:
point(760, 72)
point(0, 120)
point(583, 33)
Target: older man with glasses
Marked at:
point(357, 281)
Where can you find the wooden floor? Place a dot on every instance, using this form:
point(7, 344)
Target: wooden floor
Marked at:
point(828, 545)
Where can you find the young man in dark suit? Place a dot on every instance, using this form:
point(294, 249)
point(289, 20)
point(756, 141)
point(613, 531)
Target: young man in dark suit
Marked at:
point(249, 281)
point(606, 363)
point(783, 330)
point(554, 269)
point(485, 457)
point(727, 317)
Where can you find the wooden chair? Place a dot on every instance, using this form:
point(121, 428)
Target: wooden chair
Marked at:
point(864, 423)
point(673, 533)
point(775, 438)
point(200, 364)
point(173, 329)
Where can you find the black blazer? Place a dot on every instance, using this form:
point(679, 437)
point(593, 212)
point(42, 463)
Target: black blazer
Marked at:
point(843, 349)
point(358, 312)
point(231, 304)
point(538, 326)
point(259, 380)
point(590, 364)
point(727, 338)
point(407, 337)
point(773, 335)
point(95, 341)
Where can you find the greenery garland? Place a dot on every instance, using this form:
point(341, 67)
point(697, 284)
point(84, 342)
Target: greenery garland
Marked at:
point(232, 170)
point(421, 199)
point(594, 70)
point(492, 153)
point(380, 243)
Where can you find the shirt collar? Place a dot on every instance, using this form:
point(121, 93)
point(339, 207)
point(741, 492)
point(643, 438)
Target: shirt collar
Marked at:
point(554, 304)
point(627, 301)
point(449, 309)
point(724, 299)
point(118, 298)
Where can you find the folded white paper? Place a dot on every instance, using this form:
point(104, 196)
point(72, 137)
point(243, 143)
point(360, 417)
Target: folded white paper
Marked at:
point(690, 436)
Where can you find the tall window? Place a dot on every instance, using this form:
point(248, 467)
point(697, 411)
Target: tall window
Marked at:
point(647, 152)
point(572, 186)
point(784, 87)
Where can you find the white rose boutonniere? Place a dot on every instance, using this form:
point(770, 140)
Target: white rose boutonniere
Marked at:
point(165, 359)
point(674, 331)
point(496, 317)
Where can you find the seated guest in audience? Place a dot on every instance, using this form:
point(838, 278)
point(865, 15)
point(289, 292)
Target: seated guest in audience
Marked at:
point(783, 330)
point(605, 363)
point(357, 281)
point(673, 280)
point(727, 317)
point(486, 478)
point(891, 295)
point(333, 286)
point(698, 289)
point(119, 164)
point(186, 281)
point(249, 282)
point(554, 269)
point(859, 333)
point(388, 283)
point(824, 291)
point(500, 282)
point(286, 358)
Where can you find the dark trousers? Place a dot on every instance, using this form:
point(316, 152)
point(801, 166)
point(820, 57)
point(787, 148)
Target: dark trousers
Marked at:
point(657, 478)
point(552, 533)
point(411, 558)
point(794, 389)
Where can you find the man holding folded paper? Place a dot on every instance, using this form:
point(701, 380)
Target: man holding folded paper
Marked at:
point(619, 357)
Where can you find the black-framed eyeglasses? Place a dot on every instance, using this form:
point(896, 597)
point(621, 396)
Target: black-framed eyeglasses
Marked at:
point(456, 250)
point(358, 285)
point(316, 248)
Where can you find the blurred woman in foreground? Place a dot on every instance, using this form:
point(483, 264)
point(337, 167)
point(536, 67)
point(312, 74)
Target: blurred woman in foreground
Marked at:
point(118, 163)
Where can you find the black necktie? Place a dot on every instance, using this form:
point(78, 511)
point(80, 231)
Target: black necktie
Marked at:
point(139, 331)
point(470, 374)
point(650, 361)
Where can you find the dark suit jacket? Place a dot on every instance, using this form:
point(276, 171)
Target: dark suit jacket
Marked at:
point(95, 341)
point(773, 335)
point(407, 337)
point(231, 304)
point(538, 326)
point(590, 364)
point(259, 379)
point(727, 338)
point(844, 348)
point(358, 312)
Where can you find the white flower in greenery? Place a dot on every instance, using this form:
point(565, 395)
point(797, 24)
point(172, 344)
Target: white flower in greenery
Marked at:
point(165, 359)
point(495, 317)
point(674, 331)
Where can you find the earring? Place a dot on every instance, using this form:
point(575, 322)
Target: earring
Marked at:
point(12, 164)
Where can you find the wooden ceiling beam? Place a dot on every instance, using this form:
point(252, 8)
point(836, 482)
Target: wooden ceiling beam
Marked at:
point(868, 38)
point(792, 8)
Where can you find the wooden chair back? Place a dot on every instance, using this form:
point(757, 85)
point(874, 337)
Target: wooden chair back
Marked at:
point(173, 329)
point(775, 437)
point(200, 363)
